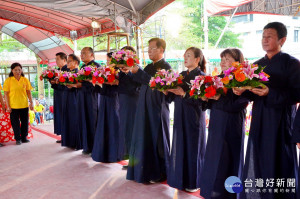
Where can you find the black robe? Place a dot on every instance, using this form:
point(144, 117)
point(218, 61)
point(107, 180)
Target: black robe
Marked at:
point(189, 137)
point(57, 104)
point(270, 152)
point(224, 155)
point(150, 139)
point(71, 135)
point(88, 107)
point(128, 91)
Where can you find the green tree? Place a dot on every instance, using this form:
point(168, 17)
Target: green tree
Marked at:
point(193, 11)
point(10, 44)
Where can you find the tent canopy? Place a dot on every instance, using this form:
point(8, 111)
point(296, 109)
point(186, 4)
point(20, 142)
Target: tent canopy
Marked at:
point(35, 23)
point(43, 43)
point(62, 17)
point(280, 7)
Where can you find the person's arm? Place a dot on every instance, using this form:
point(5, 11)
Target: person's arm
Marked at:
point(137, 74)
point(6, 96)
point(2, 102)
point(30, 99)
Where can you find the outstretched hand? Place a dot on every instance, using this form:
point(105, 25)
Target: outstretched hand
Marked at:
point(177, 91)
point(260, 91)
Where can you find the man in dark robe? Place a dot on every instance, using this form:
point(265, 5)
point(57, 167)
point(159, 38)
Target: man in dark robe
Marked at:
point(61, 62)
point(150, 138)
point(270, 159)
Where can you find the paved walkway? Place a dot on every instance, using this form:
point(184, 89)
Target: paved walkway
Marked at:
point(43, 169)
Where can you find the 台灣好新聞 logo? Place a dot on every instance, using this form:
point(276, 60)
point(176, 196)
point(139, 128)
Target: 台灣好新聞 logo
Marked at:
point(233, 185)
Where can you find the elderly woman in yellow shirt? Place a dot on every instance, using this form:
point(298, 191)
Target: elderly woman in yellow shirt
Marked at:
point(17, 91)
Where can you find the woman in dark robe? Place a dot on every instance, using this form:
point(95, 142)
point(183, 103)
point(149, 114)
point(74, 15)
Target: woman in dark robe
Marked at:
point(128, 96)
point(224, 149)
point(189, 136)
point(71, 134)
point(270, 152)
point(108, 143)
point(150, 138)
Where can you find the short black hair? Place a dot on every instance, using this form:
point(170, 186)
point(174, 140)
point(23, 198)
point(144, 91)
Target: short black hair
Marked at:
point(62, 55)
point(75, 58)
point(14, 65)
point(279, 27)
point(129, 48)
point(90, 49)
point(109, 54)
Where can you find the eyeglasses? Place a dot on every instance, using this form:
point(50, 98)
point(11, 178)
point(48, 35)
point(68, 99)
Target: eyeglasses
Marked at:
point(151, 49)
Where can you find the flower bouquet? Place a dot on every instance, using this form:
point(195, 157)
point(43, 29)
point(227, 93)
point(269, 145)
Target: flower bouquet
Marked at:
point(124, 58)
point(206, 86)
point(104, 74)
point(165, 79)
point(245, 75)
point(49, 74)
point(65, 78)
point(85, 73)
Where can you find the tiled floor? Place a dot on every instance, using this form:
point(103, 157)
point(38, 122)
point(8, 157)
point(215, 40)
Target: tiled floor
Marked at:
point(43, 169)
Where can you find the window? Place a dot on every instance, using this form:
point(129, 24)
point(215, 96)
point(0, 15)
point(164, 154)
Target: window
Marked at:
point(296, 32)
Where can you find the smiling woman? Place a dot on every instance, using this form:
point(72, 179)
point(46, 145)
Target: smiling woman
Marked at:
point(17, 91)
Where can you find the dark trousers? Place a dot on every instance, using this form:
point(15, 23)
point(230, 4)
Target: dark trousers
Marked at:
point(17, 116)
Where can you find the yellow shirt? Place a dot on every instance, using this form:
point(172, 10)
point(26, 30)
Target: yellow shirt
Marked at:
point(31, 116)
point(39, 108)
point(17, 91)
point(0, 87)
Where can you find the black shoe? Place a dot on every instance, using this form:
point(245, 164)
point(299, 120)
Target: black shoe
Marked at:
point(1, 145)
point(18, 142)
point(125, 167)
point(25, 141)
point(86, 152)
point(58, 141)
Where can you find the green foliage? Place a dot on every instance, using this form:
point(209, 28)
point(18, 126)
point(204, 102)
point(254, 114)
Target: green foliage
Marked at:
point(191, 32)
point(35, 94)
point(9, 44)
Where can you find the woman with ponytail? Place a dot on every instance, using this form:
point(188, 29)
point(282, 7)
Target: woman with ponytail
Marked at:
point(188, 144)
point(224, 149)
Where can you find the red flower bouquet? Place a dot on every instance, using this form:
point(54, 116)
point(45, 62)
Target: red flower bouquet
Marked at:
point(245, 75)
point(125, 58)
point(165, 79)
point(86, 73)
point(206, 86)
point(105, 74)
point(49, 74)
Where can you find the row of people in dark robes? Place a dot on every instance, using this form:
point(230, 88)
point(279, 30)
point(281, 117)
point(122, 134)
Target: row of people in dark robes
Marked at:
point(127, 119)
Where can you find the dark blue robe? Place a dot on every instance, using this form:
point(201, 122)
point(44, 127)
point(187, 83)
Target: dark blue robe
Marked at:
point(128, 96)
point(57, 104)
point(88, 107)
point(150, 138)
point(270, 152)
point(71, 134)
point(225, 144)
point(189, 137)
point(108, 144)
point(295, 140)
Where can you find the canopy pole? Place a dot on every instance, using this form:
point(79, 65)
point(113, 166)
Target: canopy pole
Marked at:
point(115, 22)
point(226, 26)
point(205, 29)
